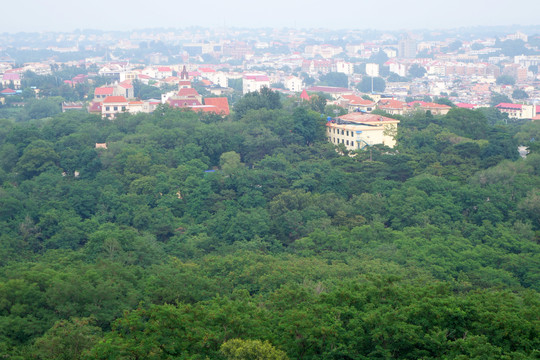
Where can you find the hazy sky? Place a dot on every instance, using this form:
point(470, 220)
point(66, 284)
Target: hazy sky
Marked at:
point(68, 15)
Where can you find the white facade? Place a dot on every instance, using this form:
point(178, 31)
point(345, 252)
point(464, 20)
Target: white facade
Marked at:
point(356, 131)
point(294, 83)
point(344, 67)
point(372, 70)
point(254, 82)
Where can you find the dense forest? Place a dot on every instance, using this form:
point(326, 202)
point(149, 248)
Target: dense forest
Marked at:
point(193, 236)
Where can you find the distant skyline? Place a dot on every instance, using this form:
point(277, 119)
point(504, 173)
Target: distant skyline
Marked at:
point(69, 15)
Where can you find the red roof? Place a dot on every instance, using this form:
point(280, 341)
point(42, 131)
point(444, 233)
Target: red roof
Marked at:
point(187, 92)
point(509, 106)
point(365, 118)
point(221, 103)
point(115, 99)
point(304, 95)
point(163, 68)
point(103, 91)
point(126, 84)
point(8, 91)
point(391, 104)
point(466, 106)
point(182, 103)
point(207, 70)
point(94, 107)
point(11, 76)
point(257, 77)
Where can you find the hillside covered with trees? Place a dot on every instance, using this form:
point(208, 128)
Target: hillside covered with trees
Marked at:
point(199, 237)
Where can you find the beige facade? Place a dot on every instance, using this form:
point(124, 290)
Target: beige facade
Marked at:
point(357, 131)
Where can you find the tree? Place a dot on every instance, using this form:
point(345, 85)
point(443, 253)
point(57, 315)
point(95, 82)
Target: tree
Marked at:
point(417, 71)
point(379, 85)
point(506, 80)
point(37, 158)
point(335, 79)
point(518, 94)
point(230, 163)
point(266, 98)
point(68, 339)
point(237, 349)
point(497, 98)
point(444, 101)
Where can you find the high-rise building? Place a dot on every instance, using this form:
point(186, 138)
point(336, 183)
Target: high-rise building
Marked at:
point(407, 48)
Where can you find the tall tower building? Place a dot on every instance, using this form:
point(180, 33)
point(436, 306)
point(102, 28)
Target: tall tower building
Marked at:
point(407, 48)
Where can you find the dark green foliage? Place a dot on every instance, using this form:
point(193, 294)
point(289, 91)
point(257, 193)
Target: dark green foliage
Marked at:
point(192, 237)
point(365, 85)
point(417, 71)
point(335, 79)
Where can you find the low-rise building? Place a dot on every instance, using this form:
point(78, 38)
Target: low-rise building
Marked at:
point(517, 111)
point(254, 82)
point(357, 131)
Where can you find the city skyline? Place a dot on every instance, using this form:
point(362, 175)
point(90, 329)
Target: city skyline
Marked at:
point(66, 16)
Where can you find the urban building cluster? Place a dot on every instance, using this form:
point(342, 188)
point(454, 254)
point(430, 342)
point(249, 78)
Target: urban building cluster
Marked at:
point(395, 72)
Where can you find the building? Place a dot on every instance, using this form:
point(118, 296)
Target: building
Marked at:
point(11, 80)
point(407, 48)
point(254, 82)
point(294, 84)
point(517, 111)
point(113, 105)
point(393, 107)
point(434, 108)
point(357, 130)
point(355, 103)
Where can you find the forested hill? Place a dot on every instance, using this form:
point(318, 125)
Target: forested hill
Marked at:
point(196, 237)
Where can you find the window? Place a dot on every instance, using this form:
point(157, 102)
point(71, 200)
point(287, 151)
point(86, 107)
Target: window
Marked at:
point(106, 108)
point(115, 108)
point(342, 132)
point(347, 142)
point(347, 132)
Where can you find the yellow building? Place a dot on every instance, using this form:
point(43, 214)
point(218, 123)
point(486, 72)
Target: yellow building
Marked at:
point(357, 130)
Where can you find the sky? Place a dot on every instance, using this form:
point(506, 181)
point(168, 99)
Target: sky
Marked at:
point(69, 15)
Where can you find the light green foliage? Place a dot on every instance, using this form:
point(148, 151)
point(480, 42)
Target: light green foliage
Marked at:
point(237, 349)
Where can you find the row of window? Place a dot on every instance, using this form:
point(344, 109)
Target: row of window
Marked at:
point(337, 141)
point(342, 132)
point(115, 108)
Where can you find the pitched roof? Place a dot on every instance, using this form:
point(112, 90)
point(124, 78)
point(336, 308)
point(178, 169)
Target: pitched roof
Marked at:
point(126, 84)
point(257, 77)
point(391, 104)
point(466, 106)
point(361, 118)
point(115, 99)
point(183, 102)
point(304, 95)
point(509, 106)
point(163, 69)
point(11, 76)
point(221, 103)
point(94, 107)
point(8, 91)
point(105, 90)
point(188, 92)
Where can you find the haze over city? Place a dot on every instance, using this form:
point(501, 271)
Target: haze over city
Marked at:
point(64, 15)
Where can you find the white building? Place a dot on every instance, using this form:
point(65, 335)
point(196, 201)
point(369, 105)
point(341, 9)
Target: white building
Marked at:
point(358, 131)
point(346, 68)
point(254, 82)
point(294, 83)
point(372, 70)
